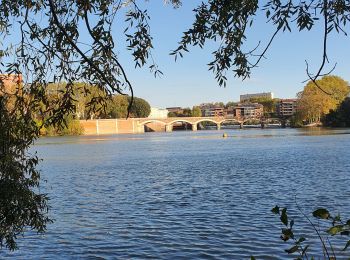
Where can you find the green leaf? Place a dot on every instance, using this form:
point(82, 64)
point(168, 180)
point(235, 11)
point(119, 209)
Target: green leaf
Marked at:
point(284, 217)
point(346, 246)
point(321, 213)
point(287, 233)
point(292, 250)
point(275, 210)
point(302, 239)
point(334, 230)
point(291, 223)
point(348, 222)
point(252, 258)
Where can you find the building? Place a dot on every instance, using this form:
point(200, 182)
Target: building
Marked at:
point(287, 107)
point(246, 110)
point(159, 113)
point(247, 97)
point(214, 111)
point(176, 110)
point(210, 109)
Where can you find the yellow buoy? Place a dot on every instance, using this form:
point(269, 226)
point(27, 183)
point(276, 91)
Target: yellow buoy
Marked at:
point(224, 135)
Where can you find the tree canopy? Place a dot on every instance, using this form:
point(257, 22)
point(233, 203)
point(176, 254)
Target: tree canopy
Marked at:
point(313, 103)
point(340, 117)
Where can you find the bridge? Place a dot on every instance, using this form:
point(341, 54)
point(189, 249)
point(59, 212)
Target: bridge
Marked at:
point(194, 121)
point(138, 125)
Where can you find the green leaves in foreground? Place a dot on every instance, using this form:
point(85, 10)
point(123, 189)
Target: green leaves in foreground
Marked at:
point(337, 227)
point(321, 213)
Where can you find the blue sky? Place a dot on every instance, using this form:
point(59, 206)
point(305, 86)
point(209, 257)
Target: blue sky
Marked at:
point(188, 81)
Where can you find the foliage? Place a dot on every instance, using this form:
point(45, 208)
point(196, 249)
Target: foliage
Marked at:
point(196, 111)
point(172, 114)
point(90, 102)
point(187, 112)
point(70, 127)
point(22, 207)
point(118, 107)
point(314, 103)
point(140, 108)
point(300, 247)
point(339, 117)
point(296, 120)
point(231, 104)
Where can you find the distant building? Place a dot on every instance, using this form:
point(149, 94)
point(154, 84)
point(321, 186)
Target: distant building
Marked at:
point(210, 109)
point(176, 110)
point(247, 97)
point(246, 110)
point(214, 111)
point(159, 113)
point(287, 107)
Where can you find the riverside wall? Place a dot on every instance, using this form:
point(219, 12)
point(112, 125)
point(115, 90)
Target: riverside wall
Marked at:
point(118, 126)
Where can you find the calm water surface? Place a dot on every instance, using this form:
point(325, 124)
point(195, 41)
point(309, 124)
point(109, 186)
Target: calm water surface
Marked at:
point(186, 195)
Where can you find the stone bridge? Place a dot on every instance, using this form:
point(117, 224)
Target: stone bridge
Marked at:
point(138, 125)
point(194, 121)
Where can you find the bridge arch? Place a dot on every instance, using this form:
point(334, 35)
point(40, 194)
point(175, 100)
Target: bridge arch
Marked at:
point(152, 121)
point(230, 120)
point(207, 120)
point(215, 122)
point(180, 120)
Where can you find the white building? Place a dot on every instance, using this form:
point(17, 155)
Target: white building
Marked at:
point(247, 97)
point(159, 113)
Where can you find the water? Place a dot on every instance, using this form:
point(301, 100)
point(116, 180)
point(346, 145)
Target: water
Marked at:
point(185, 195)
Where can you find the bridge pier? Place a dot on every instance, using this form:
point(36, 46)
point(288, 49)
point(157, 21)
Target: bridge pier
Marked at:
point(168, 128)
point(241, 125)
point(218, 126)
point(194, 127)
point(262, 123)
point(140, 128)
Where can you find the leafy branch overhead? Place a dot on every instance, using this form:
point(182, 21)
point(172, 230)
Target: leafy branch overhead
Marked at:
point(227, 22)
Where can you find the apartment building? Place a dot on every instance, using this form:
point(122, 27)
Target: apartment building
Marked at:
point(287, 107)
point(246, 110)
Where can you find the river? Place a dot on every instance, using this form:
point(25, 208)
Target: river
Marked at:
point(187, 195)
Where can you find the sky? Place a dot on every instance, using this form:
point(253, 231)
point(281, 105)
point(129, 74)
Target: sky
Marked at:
point(188, 82)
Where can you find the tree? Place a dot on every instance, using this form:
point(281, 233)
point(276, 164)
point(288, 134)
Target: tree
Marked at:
point(231, 104)
point(314, 103)
point(50, 48)
point(20, 206)
point(187, 112)
point(140, 108)
point(196, 111)
point(339, 117)
point(119, 107)
point(172, 114)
